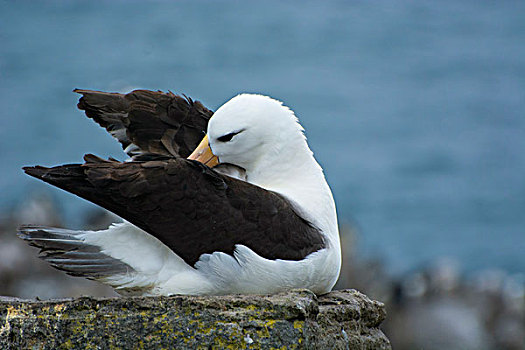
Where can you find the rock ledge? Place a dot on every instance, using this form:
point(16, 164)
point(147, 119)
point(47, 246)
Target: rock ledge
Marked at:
point(294, 320)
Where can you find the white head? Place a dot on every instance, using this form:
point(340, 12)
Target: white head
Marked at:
point(254, 131)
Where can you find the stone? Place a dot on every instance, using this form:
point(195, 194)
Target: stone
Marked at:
point(298, 319)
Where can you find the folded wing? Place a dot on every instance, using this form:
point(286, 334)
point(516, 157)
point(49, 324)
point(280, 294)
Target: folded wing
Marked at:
point(189, 207)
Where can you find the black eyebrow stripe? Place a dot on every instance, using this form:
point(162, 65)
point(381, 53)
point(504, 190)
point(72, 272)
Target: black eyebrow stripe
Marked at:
point(228, 137)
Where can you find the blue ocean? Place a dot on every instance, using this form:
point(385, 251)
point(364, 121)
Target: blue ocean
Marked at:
point(416, 110)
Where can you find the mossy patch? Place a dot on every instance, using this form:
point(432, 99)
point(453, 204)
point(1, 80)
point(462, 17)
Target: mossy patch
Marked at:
point(295, 320)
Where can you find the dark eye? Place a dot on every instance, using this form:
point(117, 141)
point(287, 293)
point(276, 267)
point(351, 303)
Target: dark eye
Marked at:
point(228, 137)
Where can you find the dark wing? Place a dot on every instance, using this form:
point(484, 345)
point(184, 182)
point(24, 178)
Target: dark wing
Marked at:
point(189, 207)
point(148, 122)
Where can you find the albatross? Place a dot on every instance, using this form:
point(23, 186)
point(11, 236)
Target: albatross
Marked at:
point(231, 202)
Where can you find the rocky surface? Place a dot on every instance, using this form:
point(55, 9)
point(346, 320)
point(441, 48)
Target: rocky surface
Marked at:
point(294, 320)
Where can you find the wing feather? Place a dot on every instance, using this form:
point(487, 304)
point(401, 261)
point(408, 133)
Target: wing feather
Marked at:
point(189, 207)
point(148, 122)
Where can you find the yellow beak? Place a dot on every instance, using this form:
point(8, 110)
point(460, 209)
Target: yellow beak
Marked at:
point(204, 154)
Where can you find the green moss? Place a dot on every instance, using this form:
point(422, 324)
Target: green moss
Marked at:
point(287, 321)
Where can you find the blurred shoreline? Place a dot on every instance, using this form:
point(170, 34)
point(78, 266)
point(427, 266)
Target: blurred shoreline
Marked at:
point(432, 308)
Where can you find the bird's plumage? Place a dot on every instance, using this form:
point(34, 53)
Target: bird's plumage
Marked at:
point(189, 207)
point(148, 122)
point(198, 230)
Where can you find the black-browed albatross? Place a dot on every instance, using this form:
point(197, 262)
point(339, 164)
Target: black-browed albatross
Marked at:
point(246, 210)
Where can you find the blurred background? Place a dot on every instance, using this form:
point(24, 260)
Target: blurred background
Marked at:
point(416, 111)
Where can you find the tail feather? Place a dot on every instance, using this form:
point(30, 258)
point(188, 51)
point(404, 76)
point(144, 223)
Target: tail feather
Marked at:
point(65, 250)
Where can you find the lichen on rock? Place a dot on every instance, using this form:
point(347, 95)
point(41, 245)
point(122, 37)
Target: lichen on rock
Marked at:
point(294, 320)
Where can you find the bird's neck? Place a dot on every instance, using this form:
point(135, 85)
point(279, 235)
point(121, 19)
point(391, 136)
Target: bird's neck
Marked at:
point(299, 178)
